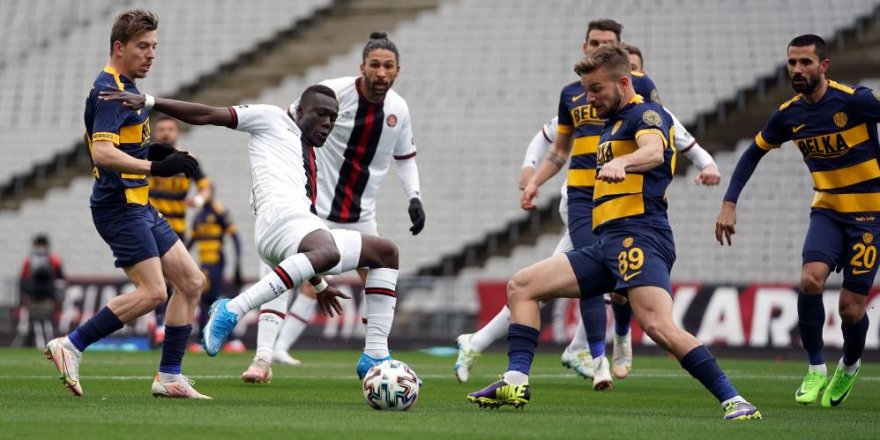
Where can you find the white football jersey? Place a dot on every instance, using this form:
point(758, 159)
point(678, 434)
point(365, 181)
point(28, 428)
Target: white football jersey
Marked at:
point(355, 158)
point(283, 167)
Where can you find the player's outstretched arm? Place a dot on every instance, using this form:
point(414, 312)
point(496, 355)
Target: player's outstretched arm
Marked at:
point(687, 145)
point(725, 225)
point(554, 161)
point(189, 112)
point(536, 151)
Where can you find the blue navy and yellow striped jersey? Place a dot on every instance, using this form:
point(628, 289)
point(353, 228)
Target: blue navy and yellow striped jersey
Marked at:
point(641, 197)
point(168, 196)
point(578, 118)
point(211, 225)
point(129, 130)
point(838, 138)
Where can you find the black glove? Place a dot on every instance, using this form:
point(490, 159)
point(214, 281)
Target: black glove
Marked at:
point(416, 215)
point(159, 151)
point(174, 164)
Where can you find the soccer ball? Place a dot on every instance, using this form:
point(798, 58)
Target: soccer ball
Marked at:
point(391, 385)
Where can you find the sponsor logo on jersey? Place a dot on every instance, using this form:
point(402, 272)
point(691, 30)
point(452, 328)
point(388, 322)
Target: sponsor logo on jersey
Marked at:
point(616, 127)
point(798, 128)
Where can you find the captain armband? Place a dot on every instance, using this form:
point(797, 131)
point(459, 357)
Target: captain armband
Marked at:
point(555, 159)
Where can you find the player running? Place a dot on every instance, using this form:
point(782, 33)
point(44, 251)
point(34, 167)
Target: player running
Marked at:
point(635, 250)
point(143, 243)
point(374, 128)
point(577, 115)
point(290, 237)
point(833, 125)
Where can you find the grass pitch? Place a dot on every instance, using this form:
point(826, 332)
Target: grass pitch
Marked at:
point(322, 400)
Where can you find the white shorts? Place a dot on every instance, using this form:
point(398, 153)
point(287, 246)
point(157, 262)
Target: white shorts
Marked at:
point(564, 244)
point(279, 233)
point(366, 227)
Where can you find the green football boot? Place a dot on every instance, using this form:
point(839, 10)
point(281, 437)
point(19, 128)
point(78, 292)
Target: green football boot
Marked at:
point(840, 386)
point(812, 386)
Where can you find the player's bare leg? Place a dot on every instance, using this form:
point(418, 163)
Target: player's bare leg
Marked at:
point(66, 351)
point(652, 306)
point(188, 282)
point(550, 278)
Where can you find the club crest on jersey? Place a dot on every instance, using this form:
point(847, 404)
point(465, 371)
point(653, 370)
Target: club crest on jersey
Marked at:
point(868, 237)
point(840, 119)
point(391, 120)
point(616, 127)
point(652, 118)
point(627, 242)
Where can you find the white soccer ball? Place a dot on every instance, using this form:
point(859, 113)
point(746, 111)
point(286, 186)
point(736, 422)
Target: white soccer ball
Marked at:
point(391, 385)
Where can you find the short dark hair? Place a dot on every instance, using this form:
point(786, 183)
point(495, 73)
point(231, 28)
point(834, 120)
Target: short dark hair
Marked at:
point(317, 89)
point(131, 23)
point(612, 58)
point(633, 50)
point(604, 24)
point(162, 117)
point(41, 240)
point(379, 40)
point(821, 48)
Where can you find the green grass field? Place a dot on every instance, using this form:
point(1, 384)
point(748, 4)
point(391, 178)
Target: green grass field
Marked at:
point(322, 399)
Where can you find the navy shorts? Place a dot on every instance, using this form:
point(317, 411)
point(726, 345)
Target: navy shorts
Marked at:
point(134, 232)
point(580, 220)
point(625, 257)
point(844, 242)
point(214, 286)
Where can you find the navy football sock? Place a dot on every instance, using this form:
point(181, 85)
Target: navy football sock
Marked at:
point(854, 340)
point(623, 315)
point(700, 363)
point(595, 320)
point(521, 343)
point(811, 315)
point(173, 348)
point(102, 324)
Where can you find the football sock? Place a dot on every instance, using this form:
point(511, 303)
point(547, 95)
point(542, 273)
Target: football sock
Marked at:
point(173, 348)
point(811, 320)
point(700, 363)
point(595, 321)
point(849, 369)
point(623, 314)
point(298, 318)
point(102, 324)
point(380, 299)
point(854, 340)
point(491, 332)
point(821, 368)
point(289, 274)
point(271, 319)
point(579, 341)
point(516, 378)
point(521, 343)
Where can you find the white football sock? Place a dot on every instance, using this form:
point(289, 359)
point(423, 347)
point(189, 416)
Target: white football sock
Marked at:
point(380, 298)
point(820, 368)
point(289, 274)
point(301, 313)
point(579, 341)
point(492, 331)
point(271, 318)
point(849, 369)
point(516, 378)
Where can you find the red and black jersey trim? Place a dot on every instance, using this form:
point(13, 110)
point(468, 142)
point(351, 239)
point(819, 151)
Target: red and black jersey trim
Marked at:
point(234, 123)
point(311, 169)
point(359, 153)
point(379, 291)
point(405, 156)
